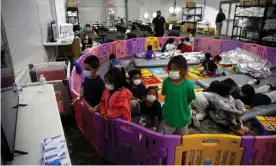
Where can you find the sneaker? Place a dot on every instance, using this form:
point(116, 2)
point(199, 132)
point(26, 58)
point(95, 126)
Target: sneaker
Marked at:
point(195, 121)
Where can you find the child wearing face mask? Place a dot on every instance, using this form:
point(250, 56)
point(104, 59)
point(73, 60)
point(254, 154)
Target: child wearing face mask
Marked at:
point(115, 102)
point(137, 88)
point(92, 86)
point(178, 92)
point(152, 108)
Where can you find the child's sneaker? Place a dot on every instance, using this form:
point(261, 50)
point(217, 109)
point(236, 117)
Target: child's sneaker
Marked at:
point(195, 121)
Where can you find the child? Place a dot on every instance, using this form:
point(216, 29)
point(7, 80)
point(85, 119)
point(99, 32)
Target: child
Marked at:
point(114, 62)
point(178, 92)
point(229, 109)
point(199, 106)
point(207, 59)
point(210, 67)
point(136, 86)
point(115, 102)
point(169, 45)
point(186, 46)
point(192, 39)
point(149, 53)
point(151, 107)
point(263, 95)
point(93, 86)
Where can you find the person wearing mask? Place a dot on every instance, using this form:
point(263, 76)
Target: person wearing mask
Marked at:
point(219, 21)
point(86, 42)
point(159, 25)
point(93, 86)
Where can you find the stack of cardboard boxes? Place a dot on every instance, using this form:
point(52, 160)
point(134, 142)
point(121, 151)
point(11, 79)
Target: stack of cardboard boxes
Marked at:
point(73, 3)
point(190, 4)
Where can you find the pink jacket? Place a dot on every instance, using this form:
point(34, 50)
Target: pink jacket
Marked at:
point(117, 105)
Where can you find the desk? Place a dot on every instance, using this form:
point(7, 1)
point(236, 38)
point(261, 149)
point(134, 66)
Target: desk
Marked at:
point(60, 42)
point(40, 119)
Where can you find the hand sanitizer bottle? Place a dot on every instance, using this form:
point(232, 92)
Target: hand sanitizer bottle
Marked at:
point(42, 81)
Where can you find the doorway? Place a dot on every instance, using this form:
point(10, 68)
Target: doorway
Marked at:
point(228, 8)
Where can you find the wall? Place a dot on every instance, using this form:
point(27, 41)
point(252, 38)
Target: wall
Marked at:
point(26, 24)
point(211, 11)
point(96, 10)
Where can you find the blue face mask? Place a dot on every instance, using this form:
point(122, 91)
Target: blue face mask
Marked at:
point(87, 73)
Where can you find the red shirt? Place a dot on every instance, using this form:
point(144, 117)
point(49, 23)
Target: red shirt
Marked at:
point(186, 48)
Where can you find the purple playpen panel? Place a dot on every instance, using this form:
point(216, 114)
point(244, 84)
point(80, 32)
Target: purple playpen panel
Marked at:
point(265, 147)
point(248, 153)
point(103, 141)
point(227, 45)
point(141, 44)
point(169, 143)
point(144, 146)
point(104, 50)
point(197, 45)
point(120, 48)
point(131, 47)
point(255, 48)
point(271, 54)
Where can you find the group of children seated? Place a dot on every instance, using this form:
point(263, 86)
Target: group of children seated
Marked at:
point(128, 98)
point(186, 45)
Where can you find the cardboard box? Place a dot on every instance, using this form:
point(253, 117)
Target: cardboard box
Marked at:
point(211, 31)
point(72, 4)
point(190, 4)
point(242, 3)
point(183, 28)
point(190, 25)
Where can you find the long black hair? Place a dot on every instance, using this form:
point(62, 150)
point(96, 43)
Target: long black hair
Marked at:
point(213, 87)
point(116, 77)
point(169, 41)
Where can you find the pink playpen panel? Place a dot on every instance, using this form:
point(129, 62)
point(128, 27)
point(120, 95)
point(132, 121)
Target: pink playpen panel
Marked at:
point(94, 51)
point(197, 45)
point(210, 45)
point(255, 48)
point(78, 106)
point(76, 81)
point(265, 147)
point(52, 75)
point(106, 49)
point(120, 48)
point(227, 45)
point(271, 54)
point(161, 42)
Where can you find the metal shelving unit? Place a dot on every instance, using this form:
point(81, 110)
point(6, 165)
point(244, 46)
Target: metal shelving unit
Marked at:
point(73, 19)
point(258, 30)
point(195, 14)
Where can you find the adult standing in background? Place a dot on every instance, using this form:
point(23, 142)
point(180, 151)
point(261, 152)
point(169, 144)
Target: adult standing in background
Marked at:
point(159, 25)
point(219, 21)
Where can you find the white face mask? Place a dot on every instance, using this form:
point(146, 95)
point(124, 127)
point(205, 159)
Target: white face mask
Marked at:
point(137, 82)
point(174, 75)
point(151, 98)
point(109, 87)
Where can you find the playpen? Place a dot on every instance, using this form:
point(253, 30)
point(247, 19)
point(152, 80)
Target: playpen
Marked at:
point(137, 145)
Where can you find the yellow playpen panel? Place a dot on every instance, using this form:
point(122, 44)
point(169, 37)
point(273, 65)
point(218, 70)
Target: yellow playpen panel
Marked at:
point(209, 149)
point(153, 41)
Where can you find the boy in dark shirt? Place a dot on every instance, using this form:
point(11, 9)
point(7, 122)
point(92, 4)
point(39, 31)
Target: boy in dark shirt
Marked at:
point(137, 88)
point(93, 86)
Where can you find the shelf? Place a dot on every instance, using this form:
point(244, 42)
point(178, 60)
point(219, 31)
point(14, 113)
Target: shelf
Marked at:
point(193, 7)
point(193, 15)
point(249, 17)
point(246, 6)
point(256, 29)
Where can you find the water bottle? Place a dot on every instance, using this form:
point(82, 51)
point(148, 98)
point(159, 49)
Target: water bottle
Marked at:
point(20, 92)
point(42, 81)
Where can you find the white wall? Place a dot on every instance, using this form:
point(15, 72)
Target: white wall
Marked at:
point(26, 24)
point(211, 11)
